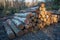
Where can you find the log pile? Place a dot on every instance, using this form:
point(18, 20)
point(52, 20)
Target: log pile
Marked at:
point(21, 24)
point(31, 23)
point(9, 32)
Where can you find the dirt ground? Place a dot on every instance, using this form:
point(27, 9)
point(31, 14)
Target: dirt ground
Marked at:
point(51, 32)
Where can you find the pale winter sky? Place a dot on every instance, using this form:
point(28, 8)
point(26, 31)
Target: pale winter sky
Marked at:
point(32, 0)
point(28, 0)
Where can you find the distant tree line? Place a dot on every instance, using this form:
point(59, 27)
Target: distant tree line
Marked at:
point(57, 2)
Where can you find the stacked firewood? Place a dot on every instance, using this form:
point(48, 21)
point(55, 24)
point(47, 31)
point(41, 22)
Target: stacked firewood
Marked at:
point(48, 18)
point(19, 25)
point(30, 23)
point(36, 22)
